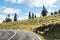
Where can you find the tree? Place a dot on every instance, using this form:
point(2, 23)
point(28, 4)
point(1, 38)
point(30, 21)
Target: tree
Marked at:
point(44, 11)
point(15, 17)
point(51, 13)
point(29, 16)
point(59, 11)
point(8, 15)
point(3, 21)
point(33, 16)
point(8, 18)
point(55, 12)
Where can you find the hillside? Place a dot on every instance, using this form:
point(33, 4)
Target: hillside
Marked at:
point(32, 24)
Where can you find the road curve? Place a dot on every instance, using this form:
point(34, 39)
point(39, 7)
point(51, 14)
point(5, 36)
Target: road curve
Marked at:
point(5, 35)
point(25, 35)
point(18, 35)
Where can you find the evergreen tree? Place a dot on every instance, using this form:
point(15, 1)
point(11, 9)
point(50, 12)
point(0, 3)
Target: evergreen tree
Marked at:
point(59, 11)
point(8, 15)
point(55, 12)
point(51, 13)
point(15, 17)
point(33, 16)
point(3, 21)
point(8, 18)
point(29, 16)
point(44, 11)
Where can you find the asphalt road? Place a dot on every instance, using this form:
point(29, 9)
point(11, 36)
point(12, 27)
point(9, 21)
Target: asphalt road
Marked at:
point(18, 35)
point(5, 35)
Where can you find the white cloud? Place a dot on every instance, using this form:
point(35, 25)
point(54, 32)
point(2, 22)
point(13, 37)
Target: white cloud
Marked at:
point(16, 1)
point(38, 14)
point(0, 21)
point(12, 17)
point(12, 1)
point(34, 3)
point(53, 6)
point(2, 17)
point(40, 3)
point(23, 18)
point(50, 10)
point(11, 10)
point(20, 1)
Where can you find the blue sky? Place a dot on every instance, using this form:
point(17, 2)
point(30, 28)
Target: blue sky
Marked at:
point(22, 7)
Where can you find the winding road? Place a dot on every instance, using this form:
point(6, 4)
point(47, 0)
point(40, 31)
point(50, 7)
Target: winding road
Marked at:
point(18, 35)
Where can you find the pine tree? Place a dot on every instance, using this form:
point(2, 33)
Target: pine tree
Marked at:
point(55, 12)
point(29, 16)
point(51, 13)
point(33, 16)
point(59, 11)
point(15, 17)
point(44, 11)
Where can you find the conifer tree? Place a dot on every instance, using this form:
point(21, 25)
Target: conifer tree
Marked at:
point(51, 13)
point(33, 16)
point(15, 17)
point(29, 16)
point(44, 11)
point(55, 12)
point(59, 11)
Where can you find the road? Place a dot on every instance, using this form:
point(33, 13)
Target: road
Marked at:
point(5, 35)
point(22, 35)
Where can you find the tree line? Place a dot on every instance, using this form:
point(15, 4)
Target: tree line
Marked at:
point(7, 19)
point(44, 12)
point(31, 15)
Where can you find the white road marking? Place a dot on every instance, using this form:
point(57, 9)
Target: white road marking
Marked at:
point(12, 36)
point(36, 35)
point(33, 33)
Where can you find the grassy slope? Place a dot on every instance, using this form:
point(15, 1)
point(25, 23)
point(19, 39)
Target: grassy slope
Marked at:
point(29, 24)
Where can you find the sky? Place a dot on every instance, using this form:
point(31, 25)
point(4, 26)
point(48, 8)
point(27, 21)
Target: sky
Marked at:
point(23, 7)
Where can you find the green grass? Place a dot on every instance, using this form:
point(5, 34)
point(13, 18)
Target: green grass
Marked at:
point(31, 24)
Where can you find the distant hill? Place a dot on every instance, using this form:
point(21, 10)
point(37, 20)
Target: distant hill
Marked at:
point(33, 24)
